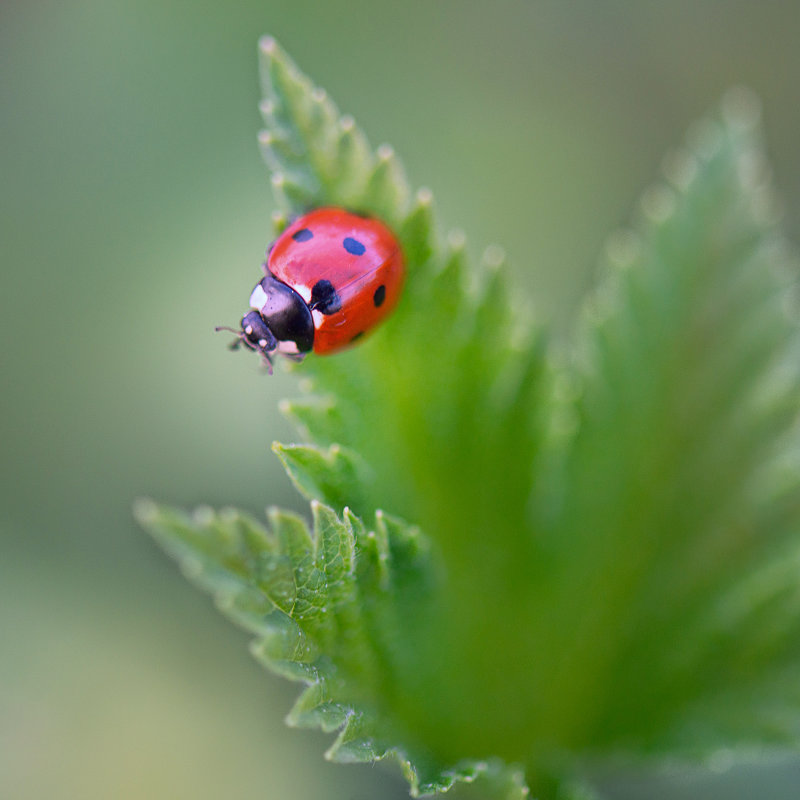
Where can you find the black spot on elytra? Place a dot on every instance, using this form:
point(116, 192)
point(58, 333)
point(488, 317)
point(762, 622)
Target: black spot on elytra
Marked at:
point(357, 336)
point(303, 235)
point(353, 246)
point(325, 298)
point(379, 296)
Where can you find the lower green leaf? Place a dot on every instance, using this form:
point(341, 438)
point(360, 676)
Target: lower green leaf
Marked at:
point(332, 607)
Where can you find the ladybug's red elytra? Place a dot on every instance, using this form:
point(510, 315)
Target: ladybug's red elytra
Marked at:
point(330, 278)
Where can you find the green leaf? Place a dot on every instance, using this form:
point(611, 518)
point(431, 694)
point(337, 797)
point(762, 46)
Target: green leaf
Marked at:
point(615, 516)
point(321, 615)
point(333, 474)
point(317, 156)
point(445, 395)
point(689, 387)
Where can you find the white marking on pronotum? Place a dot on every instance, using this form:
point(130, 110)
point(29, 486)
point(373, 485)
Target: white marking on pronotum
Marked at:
point(290, 348)
point(258, 299)
point(318, 316)
point(304, 292)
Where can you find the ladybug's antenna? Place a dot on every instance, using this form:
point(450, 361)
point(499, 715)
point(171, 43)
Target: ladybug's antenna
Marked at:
point(240, 337)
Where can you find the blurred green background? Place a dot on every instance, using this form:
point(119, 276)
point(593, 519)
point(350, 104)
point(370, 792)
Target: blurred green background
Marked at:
point(134, 216)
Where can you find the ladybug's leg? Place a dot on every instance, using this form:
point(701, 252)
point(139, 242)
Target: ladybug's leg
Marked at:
point(266, 362)
point(265, 346)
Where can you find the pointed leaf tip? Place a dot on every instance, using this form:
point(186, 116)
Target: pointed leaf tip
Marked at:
point(335, 475)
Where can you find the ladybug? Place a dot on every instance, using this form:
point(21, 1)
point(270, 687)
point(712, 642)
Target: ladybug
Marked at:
point(330, 278)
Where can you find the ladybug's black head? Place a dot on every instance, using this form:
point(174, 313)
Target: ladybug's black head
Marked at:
point(256, 333)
